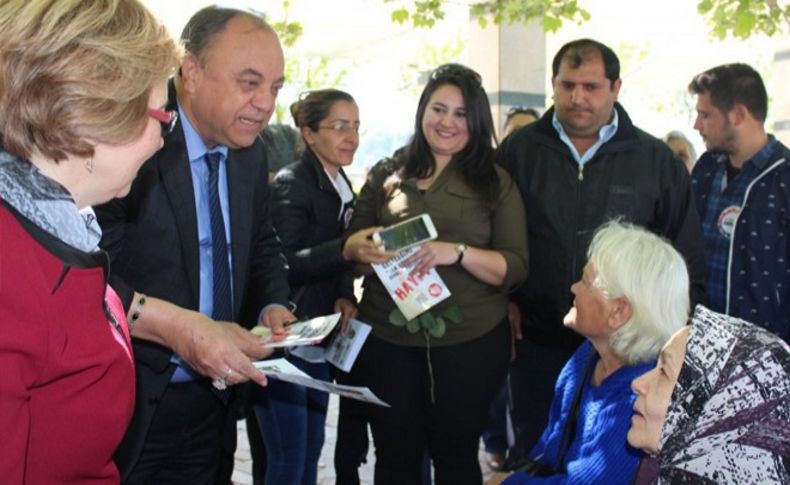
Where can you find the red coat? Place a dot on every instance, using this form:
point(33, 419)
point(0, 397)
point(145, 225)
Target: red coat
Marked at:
point(66, 373)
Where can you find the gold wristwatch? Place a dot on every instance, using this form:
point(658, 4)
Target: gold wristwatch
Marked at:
point(460, 248)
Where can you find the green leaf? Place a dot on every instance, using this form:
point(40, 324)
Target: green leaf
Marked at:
point(396, 318)
point(439, 329)
point(453, 314)
point(744, 23)
point(400, 16)
point(477, 10)
point(424, 13)
point(550, 24)
point(427, 321)
point(422, 21)
point(413, 326)
point(704, 6)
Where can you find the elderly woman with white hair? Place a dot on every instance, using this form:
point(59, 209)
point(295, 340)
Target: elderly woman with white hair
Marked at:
point(633, 295)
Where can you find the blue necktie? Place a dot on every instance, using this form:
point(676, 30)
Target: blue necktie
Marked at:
point(223, 306)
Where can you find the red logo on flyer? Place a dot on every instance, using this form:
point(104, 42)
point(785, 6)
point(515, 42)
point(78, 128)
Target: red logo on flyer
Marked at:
point(435, 289)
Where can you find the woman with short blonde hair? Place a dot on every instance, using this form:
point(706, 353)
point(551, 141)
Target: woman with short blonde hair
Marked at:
point(76, 73)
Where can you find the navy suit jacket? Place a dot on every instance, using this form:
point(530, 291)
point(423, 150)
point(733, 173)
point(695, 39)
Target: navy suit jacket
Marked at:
point(152, 237)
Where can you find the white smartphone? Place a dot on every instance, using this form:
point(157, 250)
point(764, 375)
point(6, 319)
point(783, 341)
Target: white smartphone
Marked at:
point(406, 234)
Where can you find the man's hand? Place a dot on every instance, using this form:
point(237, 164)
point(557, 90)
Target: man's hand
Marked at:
point(213, 349)
point(246, 341)
point(275, 318)
point(219, 350)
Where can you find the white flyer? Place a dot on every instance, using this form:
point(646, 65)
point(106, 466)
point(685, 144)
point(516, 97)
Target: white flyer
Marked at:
point(285, 371)
point(306, 332)
point(412, 293)
point(345, 346)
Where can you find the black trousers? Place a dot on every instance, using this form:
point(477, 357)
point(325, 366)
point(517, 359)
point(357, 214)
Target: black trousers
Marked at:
point(439, 398)
point(257, 446)
point(351, 444)
point(184, 443)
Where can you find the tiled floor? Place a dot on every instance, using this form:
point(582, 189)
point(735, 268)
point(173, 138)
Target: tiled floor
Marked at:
point(242, 474)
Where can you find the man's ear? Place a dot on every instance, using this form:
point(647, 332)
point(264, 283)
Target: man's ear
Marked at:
point(191, 70)
point(616, 87)
point(738, 114)
point(621, 312)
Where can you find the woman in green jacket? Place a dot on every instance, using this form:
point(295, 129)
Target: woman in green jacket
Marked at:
point(441, 372)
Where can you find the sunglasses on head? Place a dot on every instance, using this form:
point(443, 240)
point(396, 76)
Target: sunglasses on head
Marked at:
point(457, 71)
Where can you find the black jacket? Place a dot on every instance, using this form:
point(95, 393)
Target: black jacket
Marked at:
point(306, 210)
point(152, 237)
point(633, 176)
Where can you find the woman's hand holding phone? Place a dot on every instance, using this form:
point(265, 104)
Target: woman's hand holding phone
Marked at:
point(406, 233)
point(361, 248)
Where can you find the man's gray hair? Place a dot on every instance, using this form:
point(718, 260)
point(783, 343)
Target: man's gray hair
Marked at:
point(645, 269)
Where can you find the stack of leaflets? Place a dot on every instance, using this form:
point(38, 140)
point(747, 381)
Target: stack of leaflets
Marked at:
point(345, 346)
point(303, 332)
point(342, 352)
point(413, 293)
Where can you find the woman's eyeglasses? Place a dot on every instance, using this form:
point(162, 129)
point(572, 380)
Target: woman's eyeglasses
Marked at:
point(342, 127)
point(166, 118)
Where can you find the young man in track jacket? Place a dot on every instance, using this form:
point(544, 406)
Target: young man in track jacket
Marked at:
point(742, 190)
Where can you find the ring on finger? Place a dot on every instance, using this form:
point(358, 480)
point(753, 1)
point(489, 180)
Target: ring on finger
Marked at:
point(221, 383)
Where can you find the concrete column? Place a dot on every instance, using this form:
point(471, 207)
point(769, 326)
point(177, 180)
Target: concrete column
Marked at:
point(512, 61)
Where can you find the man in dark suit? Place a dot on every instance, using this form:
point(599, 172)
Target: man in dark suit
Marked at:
point(195, 230)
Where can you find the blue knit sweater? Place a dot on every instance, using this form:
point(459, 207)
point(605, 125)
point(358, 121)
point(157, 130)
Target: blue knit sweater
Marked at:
point(599, 452)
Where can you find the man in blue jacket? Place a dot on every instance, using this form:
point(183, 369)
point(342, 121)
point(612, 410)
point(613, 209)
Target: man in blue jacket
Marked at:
point(742, 190)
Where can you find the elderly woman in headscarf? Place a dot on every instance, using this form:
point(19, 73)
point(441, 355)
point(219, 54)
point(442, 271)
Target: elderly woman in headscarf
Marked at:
point(633, 295)
point(716, 408)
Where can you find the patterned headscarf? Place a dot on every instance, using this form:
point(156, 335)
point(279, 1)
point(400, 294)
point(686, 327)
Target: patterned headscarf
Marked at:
point(729, 419)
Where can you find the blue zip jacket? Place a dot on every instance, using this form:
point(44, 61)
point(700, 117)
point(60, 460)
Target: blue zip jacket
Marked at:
point(757, 285)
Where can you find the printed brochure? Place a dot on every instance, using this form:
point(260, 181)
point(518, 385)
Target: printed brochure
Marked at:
point(413, 294)
point(285, 371)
